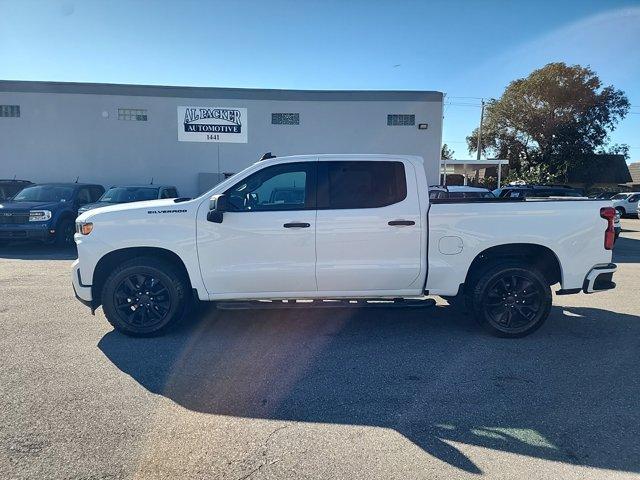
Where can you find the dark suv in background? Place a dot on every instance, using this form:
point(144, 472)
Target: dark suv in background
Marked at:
point(8, 188)
point(132, 193)
point(45, 212)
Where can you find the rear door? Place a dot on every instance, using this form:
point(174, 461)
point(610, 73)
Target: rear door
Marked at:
point(368, 232)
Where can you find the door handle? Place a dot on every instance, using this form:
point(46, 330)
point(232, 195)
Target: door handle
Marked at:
point(398, 223)
point(297, 225)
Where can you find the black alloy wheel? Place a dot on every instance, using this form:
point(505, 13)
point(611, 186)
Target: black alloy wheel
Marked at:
point(145, 296)
point(142, 300)
point(512, 300)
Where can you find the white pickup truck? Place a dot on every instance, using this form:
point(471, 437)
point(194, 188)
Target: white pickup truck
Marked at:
point(336, 227)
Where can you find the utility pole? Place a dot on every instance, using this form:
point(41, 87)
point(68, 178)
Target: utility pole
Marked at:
point(480, 131)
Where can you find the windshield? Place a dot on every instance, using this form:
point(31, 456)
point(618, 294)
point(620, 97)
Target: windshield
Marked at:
point(45, 193)
point(129, 194)
point(620, 196)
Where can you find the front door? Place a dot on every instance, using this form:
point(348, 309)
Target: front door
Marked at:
point(368, 236)
point(265, 245)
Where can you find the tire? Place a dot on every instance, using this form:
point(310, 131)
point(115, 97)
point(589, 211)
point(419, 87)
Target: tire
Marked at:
point(64, 233)
point(503, 282)
point(621, 211)
point(145, 297)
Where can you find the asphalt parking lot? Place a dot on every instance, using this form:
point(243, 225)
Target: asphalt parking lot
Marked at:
point(300, 394)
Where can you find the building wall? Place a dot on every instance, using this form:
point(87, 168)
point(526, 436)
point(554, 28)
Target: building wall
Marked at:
point(59, 136)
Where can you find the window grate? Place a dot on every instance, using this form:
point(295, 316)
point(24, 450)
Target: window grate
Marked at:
point(134, 114)
point(9, 110)
point(285, 119)
point(402, 120)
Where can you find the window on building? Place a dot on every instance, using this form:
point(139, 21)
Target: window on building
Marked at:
point(360, 184)
point(136, 114)
point(9, 110)
point(401, 120)
point(285, 119)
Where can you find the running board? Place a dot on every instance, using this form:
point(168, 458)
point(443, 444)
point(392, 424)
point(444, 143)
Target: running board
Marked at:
point(355, 303)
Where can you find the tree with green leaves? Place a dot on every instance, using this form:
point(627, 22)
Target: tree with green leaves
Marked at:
point(544, 120)
point(446, 153)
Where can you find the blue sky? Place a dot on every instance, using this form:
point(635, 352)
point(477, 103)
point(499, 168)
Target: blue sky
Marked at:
point(468, 49)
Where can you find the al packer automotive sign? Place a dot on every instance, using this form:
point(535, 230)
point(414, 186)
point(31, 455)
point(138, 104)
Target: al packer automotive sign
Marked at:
point(212, 124)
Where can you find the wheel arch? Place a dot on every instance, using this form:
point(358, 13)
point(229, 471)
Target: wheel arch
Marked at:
point(116, 257)
point(540, 256)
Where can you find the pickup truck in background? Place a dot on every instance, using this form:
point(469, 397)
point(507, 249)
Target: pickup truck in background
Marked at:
point(340, 227)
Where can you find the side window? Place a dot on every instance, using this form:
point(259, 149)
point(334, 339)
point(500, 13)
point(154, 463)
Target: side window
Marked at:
point(634, 198)
point(343, 185)
point(290, 186)
point(165, 193)
point(171, 193)
point(83, 196)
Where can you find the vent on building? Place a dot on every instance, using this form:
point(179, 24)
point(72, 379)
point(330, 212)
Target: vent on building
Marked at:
point(136, 114)
point(285, 119)
point(9, 110)
point(401, 120)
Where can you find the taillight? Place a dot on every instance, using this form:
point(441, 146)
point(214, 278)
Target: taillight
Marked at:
point(609, 213)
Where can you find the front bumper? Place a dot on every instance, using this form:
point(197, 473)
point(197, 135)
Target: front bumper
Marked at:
point(39, 232)
point(82, 291)
point(600, 278)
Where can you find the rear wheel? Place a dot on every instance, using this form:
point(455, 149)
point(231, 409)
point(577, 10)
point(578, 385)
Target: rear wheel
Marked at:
point(511, 299)
point(621, 211)
point(144, 297)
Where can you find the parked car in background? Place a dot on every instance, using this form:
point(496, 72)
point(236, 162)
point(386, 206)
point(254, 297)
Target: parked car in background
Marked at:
point(604, 195)
point(45, 212)
point(131, 193)
point(626, 203)
point(459, 191)
point(617, 225)
point(536, 191)
point(8, 188)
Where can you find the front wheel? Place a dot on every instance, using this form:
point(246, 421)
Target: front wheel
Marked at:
point(511, 300)
point(144, 296)
point(64, 233)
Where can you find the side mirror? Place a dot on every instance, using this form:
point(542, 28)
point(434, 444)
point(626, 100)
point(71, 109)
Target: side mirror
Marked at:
point(217, 206)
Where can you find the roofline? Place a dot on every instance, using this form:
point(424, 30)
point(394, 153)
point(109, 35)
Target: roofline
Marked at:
point(20, 86)
point(148, 185)
point(67, 184)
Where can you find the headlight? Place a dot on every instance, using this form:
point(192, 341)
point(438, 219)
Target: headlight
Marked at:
point(39, 215)
point(84, 228)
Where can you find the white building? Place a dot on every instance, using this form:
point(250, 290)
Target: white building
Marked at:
point(191, 136)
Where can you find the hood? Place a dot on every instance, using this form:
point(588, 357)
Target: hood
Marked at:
point(91, 206)
point(26, 206)
point(130, 206)
point(619, 201)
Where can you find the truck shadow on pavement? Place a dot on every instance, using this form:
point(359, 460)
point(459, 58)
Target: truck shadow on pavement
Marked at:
point(568, 393)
